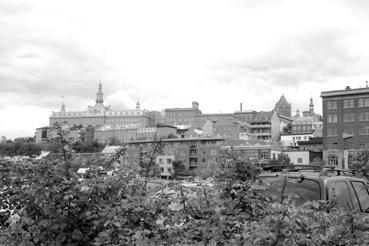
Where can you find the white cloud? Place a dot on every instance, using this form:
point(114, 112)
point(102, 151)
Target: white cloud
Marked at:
point(169, 53)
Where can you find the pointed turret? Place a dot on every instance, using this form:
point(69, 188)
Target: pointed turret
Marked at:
point(311, 106)
point(283, 107)
point(99, 95)
point(138, 105)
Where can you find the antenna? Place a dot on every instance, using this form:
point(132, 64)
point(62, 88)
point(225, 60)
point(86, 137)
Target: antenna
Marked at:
point(366, 84)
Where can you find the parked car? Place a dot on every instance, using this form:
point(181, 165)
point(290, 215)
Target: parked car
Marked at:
point(310, 183)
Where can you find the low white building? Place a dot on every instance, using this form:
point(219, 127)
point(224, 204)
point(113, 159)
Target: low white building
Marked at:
point(165, 163)
point(290, 141)
point(298, 157)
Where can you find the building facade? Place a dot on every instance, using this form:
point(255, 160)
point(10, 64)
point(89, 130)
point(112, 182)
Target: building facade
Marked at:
point(193, 152)
point(99, 115)
point(345, 123)
point(266, 126)
point(165, 163)
point(182, 116)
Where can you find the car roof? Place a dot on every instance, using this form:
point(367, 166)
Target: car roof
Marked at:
point(312, 175)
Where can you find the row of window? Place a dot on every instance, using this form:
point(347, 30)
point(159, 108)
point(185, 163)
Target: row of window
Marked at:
point(302, 127)
point(349, 146)
point(349, 117)
point(349, 103)
point(331, 132)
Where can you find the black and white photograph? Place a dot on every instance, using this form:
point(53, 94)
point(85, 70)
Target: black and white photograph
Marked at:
point(184, 122)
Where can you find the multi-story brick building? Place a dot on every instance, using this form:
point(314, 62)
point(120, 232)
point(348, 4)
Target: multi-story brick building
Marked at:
point(182, 116)
point(345, 123)
point(193, 152)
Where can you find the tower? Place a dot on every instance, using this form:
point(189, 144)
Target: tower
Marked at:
point(99, 95)
point(62, 108)
point(311, 106)
point(138, 105)
point(283, 107)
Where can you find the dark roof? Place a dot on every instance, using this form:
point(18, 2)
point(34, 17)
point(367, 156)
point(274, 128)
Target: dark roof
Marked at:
point(262, 116)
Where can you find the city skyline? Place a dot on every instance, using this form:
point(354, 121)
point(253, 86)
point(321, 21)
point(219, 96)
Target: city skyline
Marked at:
point(169, 53)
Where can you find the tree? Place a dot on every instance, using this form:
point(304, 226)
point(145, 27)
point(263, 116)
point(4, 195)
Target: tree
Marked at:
point(179, 169)
point(113, 141)
point(360, 163)
point(208, 169)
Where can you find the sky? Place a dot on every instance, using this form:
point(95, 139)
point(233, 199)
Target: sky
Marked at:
point(168, 53)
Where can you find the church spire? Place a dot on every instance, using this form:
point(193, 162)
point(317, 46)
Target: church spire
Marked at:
point(99, 95)
point(138, 105)
point(62, 108)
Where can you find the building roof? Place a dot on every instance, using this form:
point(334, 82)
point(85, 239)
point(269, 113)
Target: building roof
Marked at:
point(117, 127)
point(182, 109)
point(111, 149)
point(301, 120)
point(262, 116)
point(346, 92)
point(178, 140)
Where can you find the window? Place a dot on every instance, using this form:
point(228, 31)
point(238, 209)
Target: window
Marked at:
point(300, 190)
point(341, 194)
point(361, 146)
point(332, 160)
point(160, 161)
point(332, 118)
point(264, 155)
point(332, 104)
point(169, 161)
point(332, 132)
point(348, 131)
point(349, 103)
point(349, 145)
point(299, 160)
point(162, 169)
point(362, 195)
point(363, 102)
point(348, 117)
point(364, 116)
point(364, 131)
point(169, 170)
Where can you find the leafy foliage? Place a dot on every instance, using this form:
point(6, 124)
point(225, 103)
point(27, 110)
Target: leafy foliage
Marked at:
point(361, 163)
point(19, 148)
point(46, 204)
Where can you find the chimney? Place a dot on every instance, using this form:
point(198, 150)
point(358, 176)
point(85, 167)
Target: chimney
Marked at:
point(240, 107)
point(366, 84)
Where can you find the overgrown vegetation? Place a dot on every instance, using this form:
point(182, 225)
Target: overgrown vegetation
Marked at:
point(19, 148)
point(45, 203)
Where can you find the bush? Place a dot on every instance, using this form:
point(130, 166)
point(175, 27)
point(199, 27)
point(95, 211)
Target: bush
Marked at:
point(46, 204)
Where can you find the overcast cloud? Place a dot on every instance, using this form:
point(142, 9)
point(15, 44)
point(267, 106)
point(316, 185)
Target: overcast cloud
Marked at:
point(167, 53)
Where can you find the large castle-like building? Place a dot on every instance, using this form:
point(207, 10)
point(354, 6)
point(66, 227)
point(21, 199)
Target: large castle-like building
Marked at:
point(283, 107)
point(100, 115)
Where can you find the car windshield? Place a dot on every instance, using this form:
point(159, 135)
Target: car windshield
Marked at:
point(298, 189)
